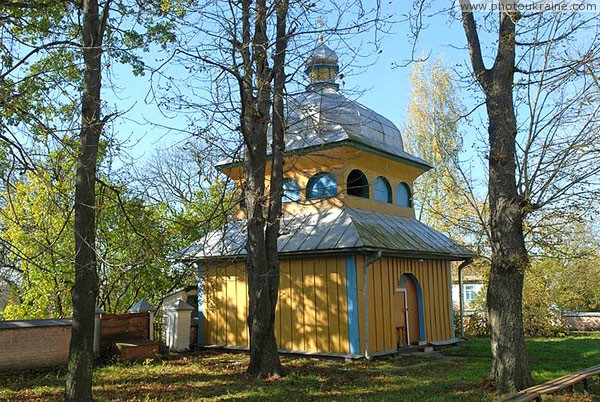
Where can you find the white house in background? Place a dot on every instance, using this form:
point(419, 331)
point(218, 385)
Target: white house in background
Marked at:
point(188, 294)
point(471, 289)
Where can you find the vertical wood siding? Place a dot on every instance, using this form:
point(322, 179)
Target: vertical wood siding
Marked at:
point(311, 311)
point(383, 276)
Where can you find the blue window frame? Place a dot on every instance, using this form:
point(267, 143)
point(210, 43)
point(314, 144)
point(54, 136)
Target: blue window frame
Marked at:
point(470, 293)
point(291, 190)
point(403, 196)
point(321, 185)
point(382, 191)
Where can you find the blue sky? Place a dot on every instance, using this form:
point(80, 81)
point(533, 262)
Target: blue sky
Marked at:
point(378, 75)
point(375, 79)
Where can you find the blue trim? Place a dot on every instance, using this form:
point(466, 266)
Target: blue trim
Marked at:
point(321, 185)
point(403, 196)
point(382, 191)
point(417, 286)
point(200, 306)
point(352, 298)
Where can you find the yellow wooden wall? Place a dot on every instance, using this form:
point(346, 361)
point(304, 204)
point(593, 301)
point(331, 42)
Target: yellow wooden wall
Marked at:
point(311, 310)
point(312, 307)
point(383, 275)
point(225, 304)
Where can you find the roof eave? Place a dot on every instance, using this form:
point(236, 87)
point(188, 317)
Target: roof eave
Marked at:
point(413, 254)
point(353, 143)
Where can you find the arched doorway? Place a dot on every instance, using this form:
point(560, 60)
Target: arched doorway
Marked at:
point(408, 312)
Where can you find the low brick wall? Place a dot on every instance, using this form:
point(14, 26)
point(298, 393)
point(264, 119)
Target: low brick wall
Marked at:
point(582, 321)
point(34, 343)
point(43, 343)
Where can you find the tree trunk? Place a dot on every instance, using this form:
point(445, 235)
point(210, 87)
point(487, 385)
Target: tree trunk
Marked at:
point(255, 88)
point(264, 360)
point(510, 367)
point(81, 353)
point(263, 210)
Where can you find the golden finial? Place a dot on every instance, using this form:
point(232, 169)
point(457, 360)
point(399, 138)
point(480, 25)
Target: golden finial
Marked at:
point(320, 26)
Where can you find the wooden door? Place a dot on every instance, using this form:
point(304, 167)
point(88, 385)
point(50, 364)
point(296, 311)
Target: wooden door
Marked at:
point(400, 321)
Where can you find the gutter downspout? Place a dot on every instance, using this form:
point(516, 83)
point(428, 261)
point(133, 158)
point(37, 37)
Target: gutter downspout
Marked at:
point(460, 296)
point(366, 264)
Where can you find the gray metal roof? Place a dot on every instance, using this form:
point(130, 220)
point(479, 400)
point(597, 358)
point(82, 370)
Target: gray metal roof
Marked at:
point(179, 305)
point(324, 116)
point(335, 230)
point(141, 306)
point(322, 54)
point(35, 323)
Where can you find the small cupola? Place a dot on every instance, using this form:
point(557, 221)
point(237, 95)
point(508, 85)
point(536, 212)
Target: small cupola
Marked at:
point(322, 68)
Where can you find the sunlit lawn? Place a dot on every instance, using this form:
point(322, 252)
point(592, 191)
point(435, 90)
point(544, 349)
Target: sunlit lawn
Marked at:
point(458, 374)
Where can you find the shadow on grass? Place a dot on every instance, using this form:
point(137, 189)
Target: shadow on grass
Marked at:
point(309, 380)
point(221, 376)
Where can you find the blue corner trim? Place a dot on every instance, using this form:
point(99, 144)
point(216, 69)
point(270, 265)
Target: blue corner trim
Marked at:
point(417, 285)
point(200, 306)
point(352, 298)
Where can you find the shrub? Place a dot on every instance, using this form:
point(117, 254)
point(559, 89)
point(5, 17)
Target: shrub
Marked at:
point(476, 324)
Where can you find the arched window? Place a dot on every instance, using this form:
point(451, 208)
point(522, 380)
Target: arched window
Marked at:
point(382, 191)
point(403, 196)
point(358, 184)
point(321, 185)
point(291, 190)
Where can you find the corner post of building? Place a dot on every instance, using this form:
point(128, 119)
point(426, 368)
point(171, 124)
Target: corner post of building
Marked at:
point(449, 270)
point(352, 305)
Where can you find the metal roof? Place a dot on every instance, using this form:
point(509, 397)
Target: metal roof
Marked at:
point(179, 305)
point(324, 116)
point(335, 230)
point(322, 54)
point(35, 323)
point(142, 305)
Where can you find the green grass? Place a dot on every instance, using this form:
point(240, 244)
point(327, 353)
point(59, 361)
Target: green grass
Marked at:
point(459, 374)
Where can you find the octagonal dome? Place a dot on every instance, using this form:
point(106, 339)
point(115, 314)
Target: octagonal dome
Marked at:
point(323, 116)
point(322, 54)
